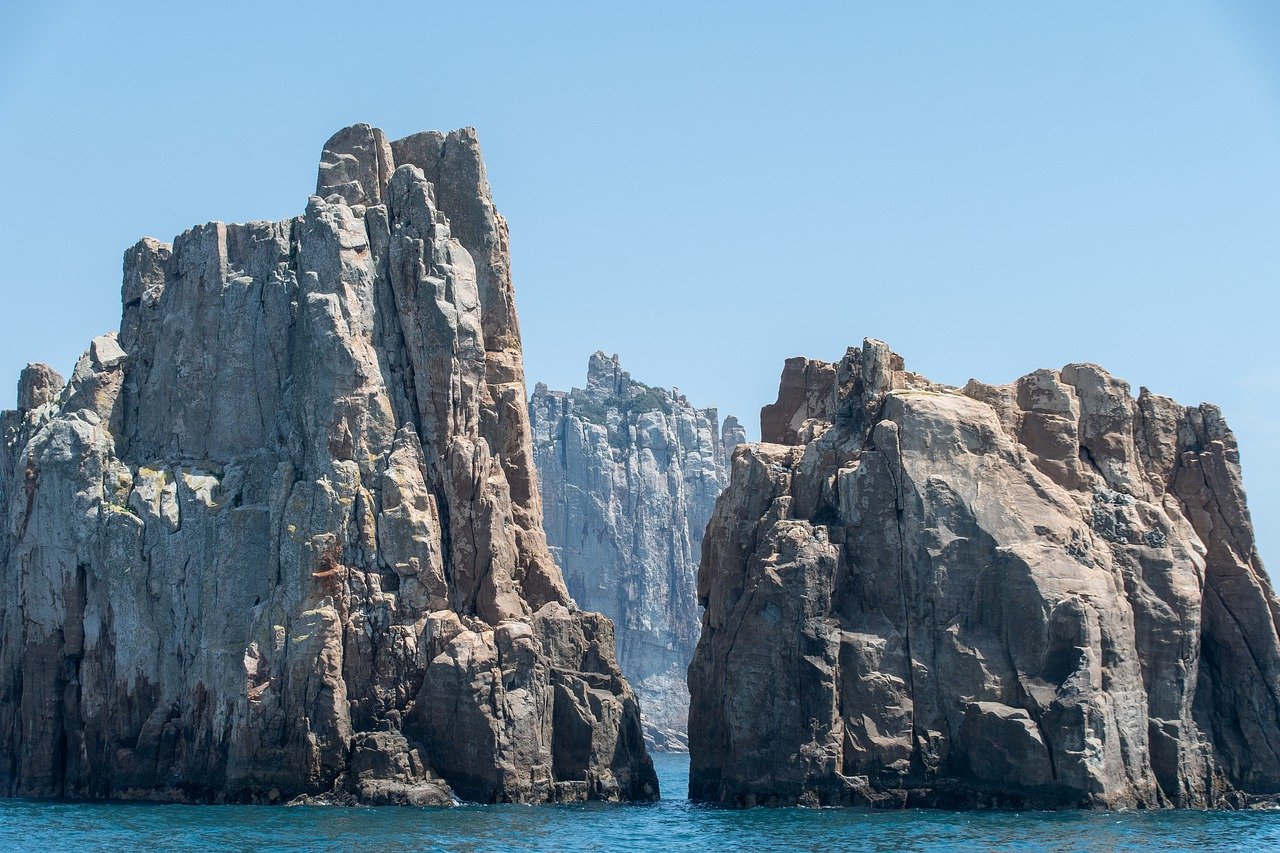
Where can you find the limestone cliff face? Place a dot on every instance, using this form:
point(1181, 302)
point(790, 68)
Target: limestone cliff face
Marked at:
point(629, 477)
point(1044, 593)
point(281, 535)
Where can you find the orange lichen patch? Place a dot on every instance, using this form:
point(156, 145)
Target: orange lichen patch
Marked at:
point(330, 570)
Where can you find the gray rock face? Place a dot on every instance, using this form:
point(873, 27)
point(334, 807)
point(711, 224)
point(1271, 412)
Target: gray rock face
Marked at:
point(1038, 594)
point(732, 434)
point(629, 477)
point(281, 535)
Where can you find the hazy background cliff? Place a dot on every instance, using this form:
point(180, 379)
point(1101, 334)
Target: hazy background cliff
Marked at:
point(629, 475)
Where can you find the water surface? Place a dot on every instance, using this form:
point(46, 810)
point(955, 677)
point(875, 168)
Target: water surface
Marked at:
point(671, 825)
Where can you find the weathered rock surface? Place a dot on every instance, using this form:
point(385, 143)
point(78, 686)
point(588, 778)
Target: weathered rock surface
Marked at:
point(629, 476)
point(280, 537)
point(1039, 594)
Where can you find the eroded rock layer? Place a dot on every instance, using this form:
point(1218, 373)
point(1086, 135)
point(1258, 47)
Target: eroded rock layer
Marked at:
point(281, 535)
point(1039, 594)
point(629, 476)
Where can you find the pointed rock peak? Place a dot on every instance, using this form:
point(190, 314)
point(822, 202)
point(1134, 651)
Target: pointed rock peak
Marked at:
point(604, 371)
point(1088, 378)
point(878, 358)
point(805, 391)
point(105, 351)
point(732, 433)
point(454, 165)
point(355, 165)
point(38, 384)
point(878, 368)
point(454, 155)
point(420, 149)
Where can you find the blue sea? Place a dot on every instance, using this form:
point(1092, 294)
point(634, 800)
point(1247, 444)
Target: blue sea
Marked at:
point(671, 825)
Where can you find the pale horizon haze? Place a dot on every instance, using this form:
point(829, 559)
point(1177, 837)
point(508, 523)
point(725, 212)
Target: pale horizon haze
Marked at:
point(707, 189)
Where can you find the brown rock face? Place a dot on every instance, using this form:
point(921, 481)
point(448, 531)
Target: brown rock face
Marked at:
point(1039, 594)
point(281, 536)
point(804, 394)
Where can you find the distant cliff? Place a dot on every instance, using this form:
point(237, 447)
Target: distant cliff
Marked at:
point(629, 477)
point(1039, 594)
point(280, 536)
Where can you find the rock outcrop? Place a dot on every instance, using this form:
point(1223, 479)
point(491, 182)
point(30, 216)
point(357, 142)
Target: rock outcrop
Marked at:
point(629, 476)
point(1045, 593)
point(280, 536)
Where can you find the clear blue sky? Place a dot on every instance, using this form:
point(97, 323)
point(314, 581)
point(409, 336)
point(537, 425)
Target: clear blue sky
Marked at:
point(990, 187)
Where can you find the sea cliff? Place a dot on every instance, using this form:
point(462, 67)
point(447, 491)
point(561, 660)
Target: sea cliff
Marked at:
point(280, 536)
point(1040, 594)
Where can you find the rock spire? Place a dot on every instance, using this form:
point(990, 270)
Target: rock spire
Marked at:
point(281, 536)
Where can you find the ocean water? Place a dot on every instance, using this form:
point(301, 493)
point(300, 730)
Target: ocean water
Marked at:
point(671, 825)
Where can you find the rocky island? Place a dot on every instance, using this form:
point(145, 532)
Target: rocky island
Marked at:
point(280, 536)
point(1040, 594)
point(629, 475)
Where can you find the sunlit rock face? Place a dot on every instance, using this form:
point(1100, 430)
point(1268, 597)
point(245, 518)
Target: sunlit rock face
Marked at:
point(280, 536)
point(629, 476)
point(1045, 593)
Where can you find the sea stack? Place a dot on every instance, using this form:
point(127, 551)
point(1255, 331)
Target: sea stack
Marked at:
point(630, 474)
point(1041, 594)
point(281, 537)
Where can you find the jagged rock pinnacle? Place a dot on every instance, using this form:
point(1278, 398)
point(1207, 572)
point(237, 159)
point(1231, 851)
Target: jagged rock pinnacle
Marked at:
point(281, 536)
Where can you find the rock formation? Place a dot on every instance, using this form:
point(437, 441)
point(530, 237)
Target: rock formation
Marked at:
point(281, 535)
point(629, 476)
point(1037, 594)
